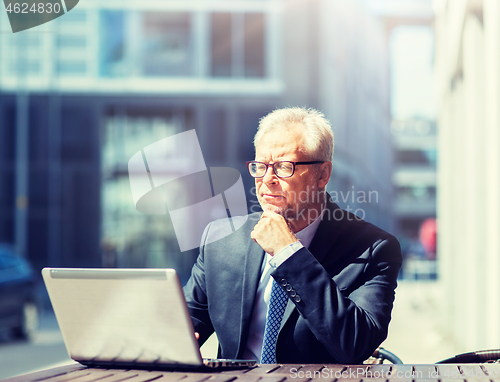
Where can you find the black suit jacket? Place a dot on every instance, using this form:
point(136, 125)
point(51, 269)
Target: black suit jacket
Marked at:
point(345, 282)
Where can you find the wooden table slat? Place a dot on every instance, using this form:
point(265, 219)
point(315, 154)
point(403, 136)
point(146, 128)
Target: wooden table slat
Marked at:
point(449, 371)
point(473, 372)
point(380, 368)
point(145, 375)
point(118, 376)
point(95, 376)
point(73, 375)
point(401, 368)
point(262, 369)
point(425, 372)
point(394, 378)
point(493, 369)
point(378, 372)
point(45, 374)
point(311, 372)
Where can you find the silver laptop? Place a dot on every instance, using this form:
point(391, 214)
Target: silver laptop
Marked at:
point(126, 318)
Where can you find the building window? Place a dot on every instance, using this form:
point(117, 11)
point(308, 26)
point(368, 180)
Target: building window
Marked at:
point(254, 45)
point(168, 46)
point(131, 238)
point(25, 67)
point(238, 45)
point(71, 41)
point(25, 41)
point(417, 157)
point(416, 192)
point(71, 67)
point(112, 44)
point(221, 45)
point(75, 16)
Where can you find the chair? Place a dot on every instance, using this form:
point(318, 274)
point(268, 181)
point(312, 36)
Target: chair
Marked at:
point(380, 355)
point(480, 356)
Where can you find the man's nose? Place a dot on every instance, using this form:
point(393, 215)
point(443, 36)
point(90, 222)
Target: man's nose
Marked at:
point(270, 176)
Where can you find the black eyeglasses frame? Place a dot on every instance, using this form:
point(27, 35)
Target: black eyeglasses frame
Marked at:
point(274, 168)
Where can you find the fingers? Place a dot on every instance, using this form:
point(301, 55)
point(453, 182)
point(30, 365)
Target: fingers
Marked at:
point(197, 335)
point(272, 232)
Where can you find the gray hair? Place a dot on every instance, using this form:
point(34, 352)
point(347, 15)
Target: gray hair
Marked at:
point(317, 130)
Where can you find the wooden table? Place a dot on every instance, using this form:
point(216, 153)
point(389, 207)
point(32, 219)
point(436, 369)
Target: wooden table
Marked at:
point(278, 373)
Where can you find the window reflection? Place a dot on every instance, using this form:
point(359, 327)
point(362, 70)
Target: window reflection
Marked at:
point(221, 45)
point(130, 238)
point(112, 44)
point(238, 45)
point(168, 46)
point(254, 45)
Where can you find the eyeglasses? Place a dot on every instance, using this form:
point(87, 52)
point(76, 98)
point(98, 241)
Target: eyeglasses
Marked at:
point(282, 169)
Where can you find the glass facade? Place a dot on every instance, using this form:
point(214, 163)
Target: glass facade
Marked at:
point(221, 45)
point(112, 43)
point(238, 45)
point(71, 67)
point(167, 44)
point(123, 45)
point(254, 45)
point(131, 238)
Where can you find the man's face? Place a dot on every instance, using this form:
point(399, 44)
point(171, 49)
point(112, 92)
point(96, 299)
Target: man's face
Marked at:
point(287, 196)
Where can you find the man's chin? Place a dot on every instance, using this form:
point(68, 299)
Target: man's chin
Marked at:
point(271, 207)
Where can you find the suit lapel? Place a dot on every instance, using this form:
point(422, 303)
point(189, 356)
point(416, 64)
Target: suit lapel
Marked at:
point(321, 244)
point(327, 233)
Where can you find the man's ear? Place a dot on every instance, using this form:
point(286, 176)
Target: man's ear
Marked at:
point(324, 173)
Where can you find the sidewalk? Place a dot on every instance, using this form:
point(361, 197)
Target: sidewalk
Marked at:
point(416, 334)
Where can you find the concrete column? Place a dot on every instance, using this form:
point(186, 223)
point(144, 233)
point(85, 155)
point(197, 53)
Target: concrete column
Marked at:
point(457, 218)
point(444, 168)
point(445, 207)
point(201, 28)
point(491, 14)
point(473, 184)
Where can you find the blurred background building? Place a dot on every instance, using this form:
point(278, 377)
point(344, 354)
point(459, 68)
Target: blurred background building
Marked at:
point(414, 178)
point(90, 89)
point(468, 89)
point(411, 87)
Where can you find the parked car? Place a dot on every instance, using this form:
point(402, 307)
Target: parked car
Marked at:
point(18, 301)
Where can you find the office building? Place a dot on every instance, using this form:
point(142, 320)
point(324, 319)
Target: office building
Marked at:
point(100, 83)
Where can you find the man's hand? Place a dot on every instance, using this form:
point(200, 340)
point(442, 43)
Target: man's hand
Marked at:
point(272, 233)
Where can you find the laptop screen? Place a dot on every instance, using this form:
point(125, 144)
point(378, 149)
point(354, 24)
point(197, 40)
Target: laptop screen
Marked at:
point(122, 316)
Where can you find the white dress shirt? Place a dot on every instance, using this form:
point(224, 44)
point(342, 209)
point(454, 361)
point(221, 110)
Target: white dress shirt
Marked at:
point(258, 324)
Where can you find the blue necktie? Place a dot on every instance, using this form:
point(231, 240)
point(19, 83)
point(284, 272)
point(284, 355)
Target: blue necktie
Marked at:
point(277, 305)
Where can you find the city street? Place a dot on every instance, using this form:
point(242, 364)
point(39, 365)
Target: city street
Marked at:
point(46, 349)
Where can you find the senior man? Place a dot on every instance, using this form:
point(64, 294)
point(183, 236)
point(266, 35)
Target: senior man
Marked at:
point(303, 281)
